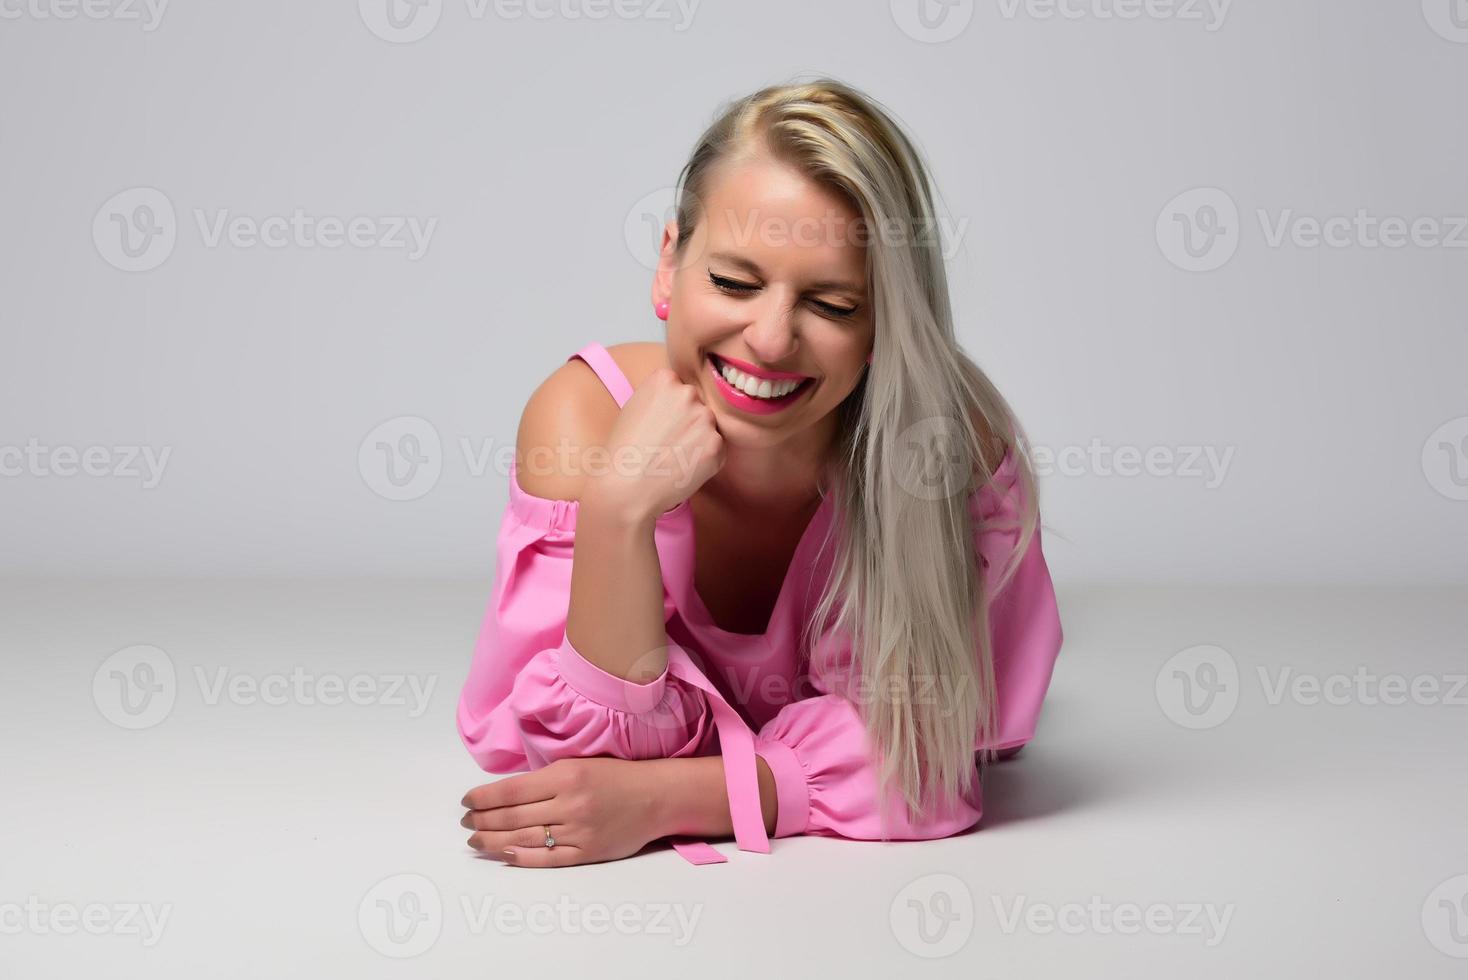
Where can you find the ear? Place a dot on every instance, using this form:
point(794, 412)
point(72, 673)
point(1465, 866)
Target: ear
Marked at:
point(662, 280)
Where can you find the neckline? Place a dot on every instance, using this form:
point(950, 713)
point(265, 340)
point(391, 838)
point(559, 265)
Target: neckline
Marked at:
point(700, 609)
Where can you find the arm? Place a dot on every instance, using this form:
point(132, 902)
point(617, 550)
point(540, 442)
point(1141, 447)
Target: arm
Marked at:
point(616, 616)
point(616, 612)
point(531, 697)
point(692, 800)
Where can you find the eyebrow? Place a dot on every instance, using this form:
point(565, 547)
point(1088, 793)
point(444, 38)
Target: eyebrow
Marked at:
point(750, 266)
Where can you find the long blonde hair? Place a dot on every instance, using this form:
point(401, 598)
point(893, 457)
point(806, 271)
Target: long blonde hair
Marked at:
point(906, 586)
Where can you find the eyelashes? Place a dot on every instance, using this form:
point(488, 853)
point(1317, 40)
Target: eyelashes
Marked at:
point(735, 288)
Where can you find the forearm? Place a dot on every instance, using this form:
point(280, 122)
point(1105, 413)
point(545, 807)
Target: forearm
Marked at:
point(615, 619)
point(693, 799)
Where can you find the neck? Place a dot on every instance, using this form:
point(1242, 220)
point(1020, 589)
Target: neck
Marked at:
point(783, 478)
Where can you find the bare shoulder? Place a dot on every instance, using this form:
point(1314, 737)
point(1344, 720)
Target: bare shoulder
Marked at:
point(995, 447)
point(569, 412)
point(639, 358)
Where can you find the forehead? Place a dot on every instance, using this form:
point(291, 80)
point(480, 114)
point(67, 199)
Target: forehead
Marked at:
point(778, 217)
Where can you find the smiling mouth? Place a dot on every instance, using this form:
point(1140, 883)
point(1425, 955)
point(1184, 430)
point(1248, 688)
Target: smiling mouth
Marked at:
point(736, 379)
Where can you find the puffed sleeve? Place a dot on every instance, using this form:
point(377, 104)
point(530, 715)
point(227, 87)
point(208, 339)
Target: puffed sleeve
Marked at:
point(531, 697)
point(818, 749)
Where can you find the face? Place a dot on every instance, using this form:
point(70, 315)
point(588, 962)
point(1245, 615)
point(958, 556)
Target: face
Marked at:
point(769, 311)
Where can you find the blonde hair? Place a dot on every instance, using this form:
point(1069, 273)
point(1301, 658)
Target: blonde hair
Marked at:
point(906, 585)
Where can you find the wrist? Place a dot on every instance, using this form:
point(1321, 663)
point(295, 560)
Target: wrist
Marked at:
point(686, 796)
point(690, 798)
point(604, 504)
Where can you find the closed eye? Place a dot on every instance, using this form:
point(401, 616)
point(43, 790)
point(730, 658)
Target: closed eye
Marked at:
point(737, 288)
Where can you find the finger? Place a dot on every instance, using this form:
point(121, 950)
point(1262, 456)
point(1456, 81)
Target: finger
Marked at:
point(492, 843)
point(528, 787)
point(510, 817)
point(560, 856)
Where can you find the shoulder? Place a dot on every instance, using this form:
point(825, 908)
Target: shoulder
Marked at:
point(569, 412)
point(995, 448)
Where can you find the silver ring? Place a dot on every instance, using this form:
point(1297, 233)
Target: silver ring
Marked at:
point(549, 840)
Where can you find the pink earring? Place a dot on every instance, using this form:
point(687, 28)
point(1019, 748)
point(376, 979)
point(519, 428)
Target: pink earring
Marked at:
point(869, 358)
point(661, 309)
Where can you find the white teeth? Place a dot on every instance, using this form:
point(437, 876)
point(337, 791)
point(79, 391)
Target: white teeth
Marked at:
point(756, 388)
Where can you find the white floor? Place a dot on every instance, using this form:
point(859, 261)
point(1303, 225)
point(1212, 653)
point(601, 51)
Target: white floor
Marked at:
point(1257, 835)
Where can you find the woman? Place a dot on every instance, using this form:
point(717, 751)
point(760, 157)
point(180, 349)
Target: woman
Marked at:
point(788, 578)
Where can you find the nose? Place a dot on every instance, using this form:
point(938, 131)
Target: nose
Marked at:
point(771, 338)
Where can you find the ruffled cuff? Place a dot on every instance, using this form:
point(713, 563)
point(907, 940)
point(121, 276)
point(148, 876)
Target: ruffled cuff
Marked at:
point(607, 689)
point(792, 786)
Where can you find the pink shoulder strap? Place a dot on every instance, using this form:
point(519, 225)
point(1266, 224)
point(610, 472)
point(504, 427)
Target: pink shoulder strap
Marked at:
point(601, 362)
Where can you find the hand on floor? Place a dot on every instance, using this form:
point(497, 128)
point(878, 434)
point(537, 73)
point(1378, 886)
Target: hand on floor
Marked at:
point(599, 809)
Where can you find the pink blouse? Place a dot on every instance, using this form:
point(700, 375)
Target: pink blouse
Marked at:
point(531, 698)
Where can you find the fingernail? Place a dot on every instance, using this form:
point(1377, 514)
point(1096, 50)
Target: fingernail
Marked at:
point(509, 853)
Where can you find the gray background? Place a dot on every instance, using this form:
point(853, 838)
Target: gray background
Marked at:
point(543, 150)
point(536, 144)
